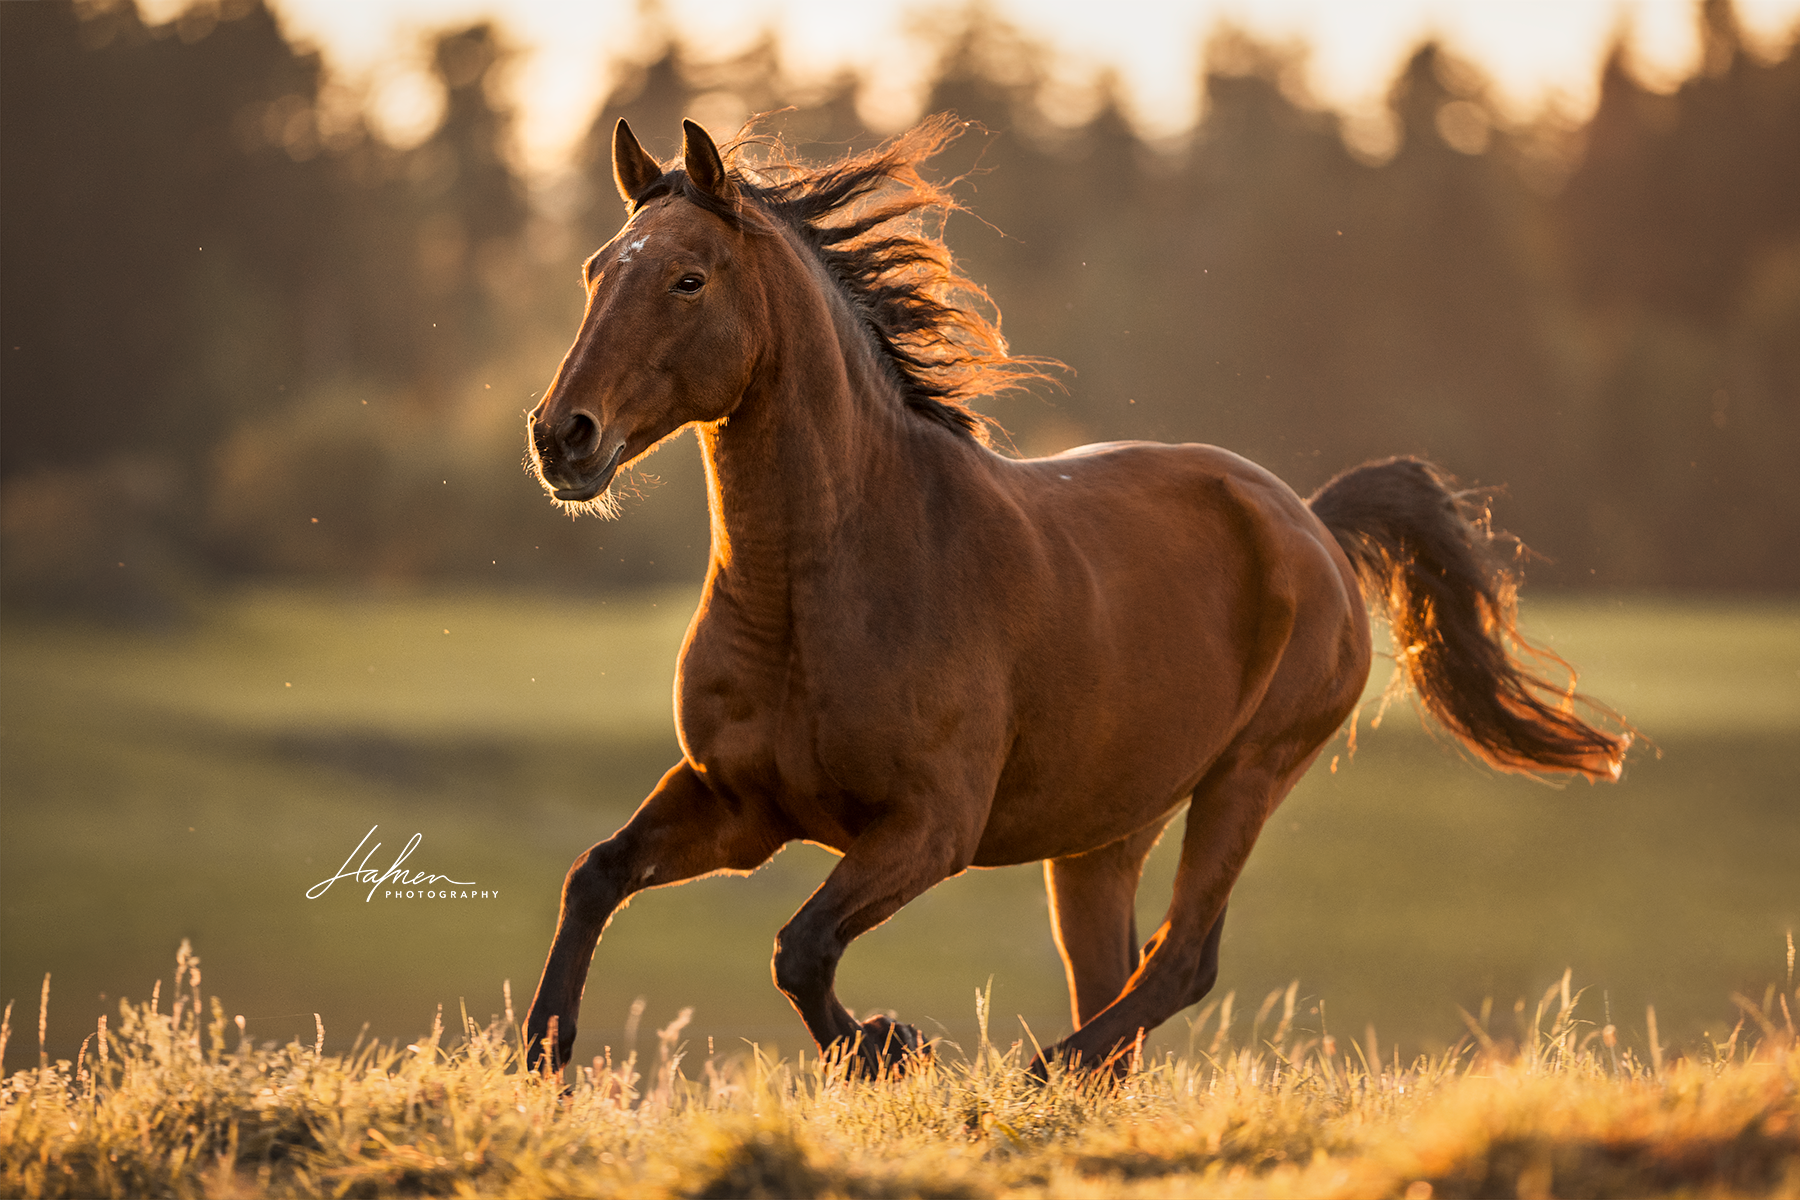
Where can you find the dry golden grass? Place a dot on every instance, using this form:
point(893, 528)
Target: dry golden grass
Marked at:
point(173, 1100)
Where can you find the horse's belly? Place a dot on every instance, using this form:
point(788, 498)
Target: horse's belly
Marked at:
point(1056, 797)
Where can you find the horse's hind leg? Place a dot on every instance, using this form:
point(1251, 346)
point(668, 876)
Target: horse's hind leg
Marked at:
point(1093, 917)
point(1181, 959)
point(683, 830)
point(1207, 973)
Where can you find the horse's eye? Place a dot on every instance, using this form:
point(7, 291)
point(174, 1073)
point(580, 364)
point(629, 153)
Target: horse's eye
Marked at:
point(687, 285)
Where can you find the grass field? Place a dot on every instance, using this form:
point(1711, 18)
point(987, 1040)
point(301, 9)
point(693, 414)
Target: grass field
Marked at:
point(195, 784)
point(172, 1100)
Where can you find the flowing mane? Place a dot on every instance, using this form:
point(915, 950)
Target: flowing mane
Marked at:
point(929, 321)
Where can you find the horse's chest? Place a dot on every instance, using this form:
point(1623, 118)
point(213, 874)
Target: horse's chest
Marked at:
point(764, 744)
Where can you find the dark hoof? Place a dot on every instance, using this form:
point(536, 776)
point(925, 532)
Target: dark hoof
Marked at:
point(882, 1047)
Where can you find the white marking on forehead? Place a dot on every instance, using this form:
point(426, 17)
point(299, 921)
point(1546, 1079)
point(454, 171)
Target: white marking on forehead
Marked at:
point(632, 248)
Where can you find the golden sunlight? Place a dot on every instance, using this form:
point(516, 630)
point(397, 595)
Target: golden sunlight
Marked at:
point(1534, 54)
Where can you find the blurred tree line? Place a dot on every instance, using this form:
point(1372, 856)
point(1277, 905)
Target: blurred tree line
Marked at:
point(246, 337)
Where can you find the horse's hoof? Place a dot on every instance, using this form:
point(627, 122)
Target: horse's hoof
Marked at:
point(883, 1046)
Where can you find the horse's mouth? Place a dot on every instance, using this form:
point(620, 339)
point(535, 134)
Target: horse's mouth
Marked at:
point(599, 482)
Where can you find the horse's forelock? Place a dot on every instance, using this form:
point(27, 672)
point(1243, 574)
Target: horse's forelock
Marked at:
point(675, 182)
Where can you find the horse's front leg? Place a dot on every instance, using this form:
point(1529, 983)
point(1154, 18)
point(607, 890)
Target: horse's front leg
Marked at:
point(886, 867)
point(681, 831)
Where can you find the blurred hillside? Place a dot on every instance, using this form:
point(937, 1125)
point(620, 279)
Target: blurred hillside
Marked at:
point(244, 337)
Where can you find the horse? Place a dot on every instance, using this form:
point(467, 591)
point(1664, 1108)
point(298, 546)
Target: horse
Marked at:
point(927, 656)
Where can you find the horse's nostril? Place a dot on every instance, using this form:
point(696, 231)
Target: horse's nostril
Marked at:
point(580, 436)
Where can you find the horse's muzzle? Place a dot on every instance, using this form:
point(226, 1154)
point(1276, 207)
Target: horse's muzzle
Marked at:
point(566, 458)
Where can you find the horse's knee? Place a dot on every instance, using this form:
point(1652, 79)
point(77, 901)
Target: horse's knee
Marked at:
point(595, 884)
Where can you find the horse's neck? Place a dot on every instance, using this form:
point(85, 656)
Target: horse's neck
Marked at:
point(820, 435)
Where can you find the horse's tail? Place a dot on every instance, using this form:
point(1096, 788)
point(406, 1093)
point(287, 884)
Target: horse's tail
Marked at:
point(1429, 555)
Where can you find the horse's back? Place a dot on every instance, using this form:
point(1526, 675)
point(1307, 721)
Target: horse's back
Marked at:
point(1185, 526)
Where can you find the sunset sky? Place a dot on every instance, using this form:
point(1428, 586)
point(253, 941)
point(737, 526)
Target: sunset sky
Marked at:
point(1535, 51)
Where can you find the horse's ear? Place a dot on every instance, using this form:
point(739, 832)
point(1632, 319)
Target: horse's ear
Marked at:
point(633, 168)
point(704, 166)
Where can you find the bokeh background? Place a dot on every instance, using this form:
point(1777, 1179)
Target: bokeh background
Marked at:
point(270, 573)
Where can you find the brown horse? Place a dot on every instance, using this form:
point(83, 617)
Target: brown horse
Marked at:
point(927, 656)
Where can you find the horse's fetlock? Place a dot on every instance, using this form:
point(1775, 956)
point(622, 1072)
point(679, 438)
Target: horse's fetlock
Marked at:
point(800, 970)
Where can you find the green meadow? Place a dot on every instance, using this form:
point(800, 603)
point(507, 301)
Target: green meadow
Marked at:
point(195, 784)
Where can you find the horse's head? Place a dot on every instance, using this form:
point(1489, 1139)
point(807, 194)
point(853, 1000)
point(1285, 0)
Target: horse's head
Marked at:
point(667, 336)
